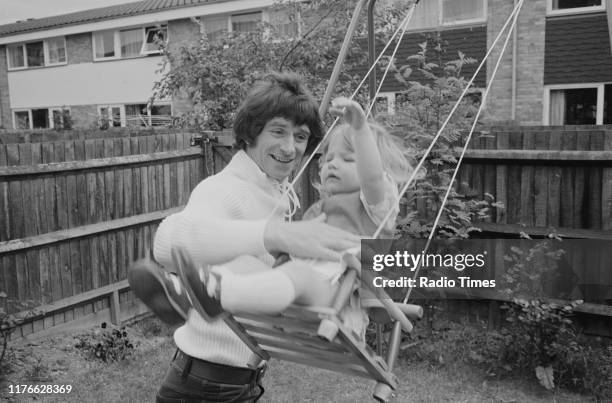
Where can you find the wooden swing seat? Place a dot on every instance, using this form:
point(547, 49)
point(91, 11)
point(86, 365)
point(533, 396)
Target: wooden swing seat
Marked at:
point(316, 336)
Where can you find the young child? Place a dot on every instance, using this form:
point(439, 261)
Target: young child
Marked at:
point(361, 168)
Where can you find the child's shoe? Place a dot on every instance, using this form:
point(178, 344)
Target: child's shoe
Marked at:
point(160, 291)
point(202, 286)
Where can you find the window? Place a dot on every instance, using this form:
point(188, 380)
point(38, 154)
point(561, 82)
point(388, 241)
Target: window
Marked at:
point(111, 116)
point(563, 7)
point(245, 22)
point(385, 103)
point(41, 118)
point(22, 120)
point(131, 42)
point(37, 54)
point(588, 104)
point(15, 56)
point(216, 27)
point(126, 43)
point(60, 118)
point(153, 35)
point(285, 25)
point(136, 115)
point(56, 51)
point(104, 44)
point(132, 115)
point(437, 13)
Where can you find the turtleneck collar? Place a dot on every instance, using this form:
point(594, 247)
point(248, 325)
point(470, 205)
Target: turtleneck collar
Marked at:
point(245, 168)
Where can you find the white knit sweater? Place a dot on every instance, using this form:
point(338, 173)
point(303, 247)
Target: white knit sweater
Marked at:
point(224, 218)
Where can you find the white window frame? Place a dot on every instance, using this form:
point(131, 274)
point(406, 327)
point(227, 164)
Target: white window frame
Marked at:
point(267, 18)
point(109, 107)
point(117, 42)
point(46, 62)
point(57, 108)
point(390, 97)
point(600, 99)
point(441, 24)
point(144, 42)
point(46, 52)
point(571, 11)
point(15, 117)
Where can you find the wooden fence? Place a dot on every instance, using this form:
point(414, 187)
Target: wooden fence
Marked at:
point(73, 214)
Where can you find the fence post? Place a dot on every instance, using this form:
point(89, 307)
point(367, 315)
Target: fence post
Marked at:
point(115, 309)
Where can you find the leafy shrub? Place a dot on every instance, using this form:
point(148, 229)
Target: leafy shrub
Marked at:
point(108, 344)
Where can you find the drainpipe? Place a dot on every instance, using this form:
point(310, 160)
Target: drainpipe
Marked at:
point(514, 62)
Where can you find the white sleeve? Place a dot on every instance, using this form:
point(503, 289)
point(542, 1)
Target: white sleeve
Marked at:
point(390, 202)
point(208, 228)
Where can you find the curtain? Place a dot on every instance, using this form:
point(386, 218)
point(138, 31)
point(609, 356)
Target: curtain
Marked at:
point(557, 107)
point(57, 50)
point(131, 42)
point(16, 56)
point(105, 44)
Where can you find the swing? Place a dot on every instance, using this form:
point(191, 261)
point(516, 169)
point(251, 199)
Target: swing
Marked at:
point(316, 336)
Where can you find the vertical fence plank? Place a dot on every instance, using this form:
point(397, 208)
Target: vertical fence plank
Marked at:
point(580, 182)
point(159, 174)
point(540, 183)
point(606, 190)
point(4, 200)
point(152, 177)
point(16, 224)
point(145, 180)
point(25, 158)
point(554, 183)
point(38, 201)
point(594, 187)
point(568, 142)
point(526, 213)
point(515, 142)
point(166, 177)
point(180, 173)
point(60, 189)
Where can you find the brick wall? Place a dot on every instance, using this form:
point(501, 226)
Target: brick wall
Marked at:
point(531, 29)
point(578, 50)
point(182, 33)
point(79, 48)
point(5, 104)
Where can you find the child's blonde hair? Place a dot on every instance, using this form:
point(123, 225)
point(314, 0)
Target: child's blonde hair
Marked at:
point(395, 155)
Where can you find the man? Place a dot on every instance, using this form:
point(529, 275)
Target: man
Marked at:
point(240, 211)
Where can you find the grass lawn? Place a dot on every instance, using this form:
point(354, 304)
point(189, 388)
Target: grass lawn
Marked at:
point(137, 378)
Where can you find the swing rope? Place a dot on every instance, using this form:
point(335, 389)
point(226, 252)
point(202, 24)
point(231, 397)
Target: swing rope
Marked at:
point(402, 27)
point(467, 142)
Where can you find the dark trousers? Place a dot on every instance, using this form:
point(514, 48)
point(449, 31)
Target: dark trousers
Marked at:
point(190, 380)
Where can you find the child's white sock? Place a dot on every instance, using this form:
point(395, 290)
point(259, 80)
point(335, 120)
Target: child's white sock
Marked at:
point(266, 292)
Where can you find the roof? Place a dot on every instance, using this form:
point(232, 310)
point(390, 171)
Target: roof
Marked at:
point(97, 14)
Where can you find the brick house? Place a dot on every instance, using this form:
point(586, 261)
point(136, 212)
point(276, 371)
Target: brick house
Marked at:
point(101, 63)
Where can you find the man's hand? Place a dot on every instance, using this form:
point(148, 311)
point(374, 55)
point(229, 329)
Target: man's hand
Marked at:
point(350, 111)
point(308, 239)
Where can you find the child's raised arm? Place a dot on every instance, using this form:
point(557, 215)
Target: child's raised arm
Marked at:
point(367, 156)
